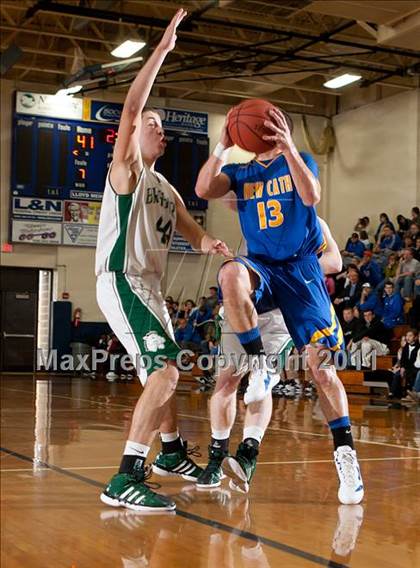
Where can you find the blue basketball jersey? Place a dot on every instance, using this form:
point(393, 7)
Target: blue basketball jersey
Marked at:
point(275, 223)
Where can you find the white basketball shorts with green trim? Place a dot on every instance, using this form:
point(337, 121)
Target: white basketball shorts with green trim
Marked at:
point(136, 312)
point(275, 337)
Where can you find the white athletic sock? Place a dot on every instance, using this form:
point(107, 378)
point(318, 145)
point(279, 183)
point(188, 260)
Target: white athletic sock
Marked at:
point(136, 449)
point(253, 432)
point(169, 436)
point(220, 434)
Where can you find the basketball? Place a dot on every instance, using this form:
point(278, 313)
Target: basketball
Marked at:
point(246, 125)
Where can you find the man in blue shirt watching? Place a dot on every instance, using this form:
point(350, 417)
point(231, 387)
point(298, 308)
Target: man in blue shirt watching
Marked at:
point(354, 249)
point(393, 307)
point(369, 300)
point(369, 269)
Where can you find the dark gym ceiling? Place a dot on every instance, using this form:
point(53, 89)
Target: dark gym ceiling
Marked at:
point(227, 50)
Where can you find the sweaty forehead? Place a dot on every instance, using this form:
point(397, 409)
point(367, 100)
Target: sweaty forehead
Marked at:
point(150, 116)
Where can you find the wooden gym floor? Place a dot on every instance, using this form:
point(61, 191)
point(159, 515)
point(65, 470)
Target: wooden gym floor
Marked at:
point(62, 439)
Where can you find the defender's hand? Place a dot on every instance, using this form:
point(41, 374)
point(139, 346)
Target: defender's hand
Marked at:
point(210, 245)
point(167, 43)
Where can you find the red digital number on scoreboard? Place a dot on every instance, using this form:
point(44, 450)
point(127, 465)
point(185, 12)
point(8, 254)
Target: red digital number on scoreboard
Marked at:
point(110, 135)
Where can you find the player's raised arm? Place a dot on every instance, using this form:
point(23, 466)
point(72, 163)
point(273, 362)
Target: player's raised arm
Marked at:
point(212, 182)
point(127, 160)
point(307, 185)
point(195, 234)
point(330, 261)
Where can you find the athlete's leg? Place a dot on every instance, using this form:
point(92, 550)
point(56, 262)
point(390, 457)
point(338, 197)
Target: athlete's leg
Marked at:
point(222, 418)
point(332, 395)
point(238, 283)
point(174, 458)
point(257, 418)
point(334, 404)
point(169, 422)
point(223, 402)
point(151, 406)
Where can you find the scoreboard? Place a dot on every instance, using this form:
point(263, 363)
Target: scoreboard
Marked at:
point(61, 159)
point(61, 151)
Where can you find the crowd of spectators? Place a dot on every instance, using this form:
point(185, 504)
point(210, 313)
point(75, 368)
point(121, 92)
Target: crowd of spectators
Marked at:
point(378, 290)
point(196, 326)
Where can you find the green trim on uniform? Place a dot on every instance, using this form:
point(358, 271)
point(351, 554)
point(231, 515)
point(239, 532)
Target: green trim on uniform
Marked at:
point(117, 256)
point(284, 353)
point(150, 336)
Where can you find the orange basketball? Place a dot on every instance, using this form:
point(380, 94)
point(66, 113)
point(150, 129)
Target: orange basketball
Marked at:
point(246, 125)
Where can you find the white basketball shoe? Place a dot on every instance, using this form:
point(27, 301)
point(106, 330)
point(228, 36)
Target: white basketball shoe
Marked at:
point(260, 383)
point(351, 489)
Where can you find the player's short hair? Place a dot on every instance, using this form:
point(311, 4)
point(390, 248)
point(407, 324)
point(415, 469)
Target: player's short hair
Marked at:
point(149, 109)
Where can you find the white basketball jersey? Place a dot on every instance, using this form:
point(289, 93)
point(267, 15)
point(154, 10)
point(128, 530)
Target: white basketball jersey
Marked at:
point(136, 230)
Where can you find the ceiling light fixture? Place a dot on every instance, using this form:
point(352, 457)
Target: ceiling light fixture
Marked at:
point(342, 81)
point(128, 48)
point(68, 91)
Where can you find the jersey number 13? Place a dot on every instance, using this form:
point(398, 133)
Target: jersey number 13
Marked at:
point(269, 214)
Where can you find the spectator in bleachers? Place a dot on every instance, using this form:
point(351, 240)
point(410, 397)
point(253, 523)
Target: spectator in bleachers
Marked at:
point(351, 293)
point(403, 224)
point(212, 300)
point(369, 300)
point(406, 272)
point(181, 330)
point(364, 238)
point(371, 339)
point(383, 221)
point(350, 324)
point(413, 231)
point(390, 271)
point(417, 249)
point(363, 225)
point(413, 395)
point(404, 378)
point(198, 318)
point(188, 307)
point(369, 269)
point(408, 241)
point(388, 241)
point(415, 215)
point(393, 304)
point(354, 249)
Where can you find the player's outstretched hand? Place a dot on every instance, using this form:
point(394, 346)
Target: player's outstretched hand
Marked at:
point(210, 245)
point(281, 136)
point(167, 43)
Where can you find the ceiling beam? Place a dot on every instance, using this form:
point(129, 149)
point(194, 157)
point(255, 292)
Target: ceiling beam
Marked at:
point(110, 16)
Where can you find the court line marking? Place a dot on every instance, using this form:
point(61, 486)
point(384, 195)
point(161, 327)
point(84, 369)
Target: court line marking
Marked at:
point(202, 520)
point(311, 434)
point(294, 462)
point(182, 415)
